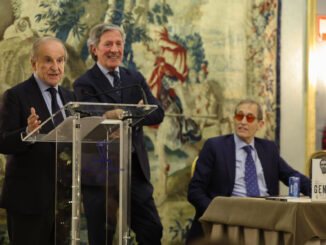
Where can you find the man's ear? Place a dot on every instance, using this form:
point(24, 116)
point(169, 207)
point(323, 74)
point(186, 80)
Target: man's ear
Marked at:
point(33, 63)
point(93, 50)
point(261, 124)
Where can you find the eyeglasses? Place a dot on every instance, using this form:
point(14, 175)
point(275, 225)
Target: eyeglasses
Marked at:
point(250, 118)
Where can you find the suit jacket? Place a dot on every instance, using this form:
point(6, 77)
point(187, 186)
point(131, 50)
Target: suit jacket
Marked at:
point(94, 81)
point(215, 172)
point(30, 169)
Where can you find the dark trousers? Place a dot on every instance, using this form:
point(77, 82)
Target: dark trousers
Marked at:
point(101, 214)
point(195, 232)
point(145, 221)
point(30, 229)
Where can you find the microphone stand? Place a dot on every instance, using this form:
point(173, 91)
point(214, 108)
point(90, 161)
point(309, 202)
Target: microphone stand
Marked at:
point(128, 115)
point(85, 92)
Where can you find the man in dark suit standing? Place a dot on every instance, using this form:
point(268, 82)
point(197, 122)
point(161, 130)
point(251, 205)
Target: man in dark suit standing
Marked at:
point(223, 166)
point(106, 45)
point(28, 189)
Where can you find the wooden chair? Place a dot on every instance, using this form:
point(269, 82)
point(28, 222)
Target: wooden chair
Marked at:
point(315, 155)
point(193, 166)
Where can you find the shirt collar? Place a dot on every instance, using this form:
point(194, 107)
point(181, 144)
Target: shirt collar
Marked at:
point(42, 85)
point(106, 71)
point(240, 143)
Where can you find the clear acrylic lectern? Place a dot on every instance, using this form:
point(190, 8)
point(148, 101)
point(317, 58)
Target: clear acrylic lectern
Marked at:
point(93, 168)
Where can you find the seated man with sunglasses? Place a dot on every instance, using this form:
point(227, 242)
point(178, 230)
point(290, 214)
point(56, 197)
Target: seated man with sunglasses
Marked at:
point(239, 164)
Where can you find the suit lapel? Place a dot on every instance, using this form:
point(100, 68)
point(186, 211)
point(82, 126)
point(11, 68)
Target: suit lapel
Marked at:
point(265, 162)
point(65, 98)
point(229, 150)
point(129, 95)
point(104, 84)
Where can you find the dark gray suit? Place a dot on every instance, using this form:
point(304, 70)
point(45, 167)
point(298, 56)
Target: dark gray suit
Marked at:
point(215, 174)
point(28, 188)
point(144, 217)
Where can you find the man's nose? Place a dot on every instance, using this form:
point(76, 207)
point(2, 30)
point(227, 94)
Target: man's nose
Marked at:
point(244, 120)
point(114, 48)
point(54, 65)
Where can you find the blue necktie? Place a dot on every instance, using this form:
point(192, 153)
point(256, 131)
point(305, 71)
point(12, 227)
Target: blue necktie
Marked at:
point(116, 81)
point(55, 107)
point(251, 174)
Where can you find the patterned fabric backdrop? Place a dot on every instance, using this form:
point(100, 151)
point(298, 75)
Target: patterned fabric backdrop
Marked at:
point(200, 57)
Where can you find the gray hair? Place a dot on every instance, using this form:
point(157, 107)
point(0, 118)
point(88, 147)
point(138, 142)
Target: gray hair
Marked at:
point(39, 41)
point(96, 33)
point(250, 101)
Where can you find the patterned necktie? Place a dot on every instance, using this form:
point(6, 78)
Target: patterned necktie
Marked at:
point(55, 107)
point(116, 81)
point(251, 174)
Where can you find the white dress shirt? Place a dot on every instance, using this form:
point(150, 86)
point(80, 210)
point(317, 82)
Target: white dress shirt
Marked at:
point(106, 73)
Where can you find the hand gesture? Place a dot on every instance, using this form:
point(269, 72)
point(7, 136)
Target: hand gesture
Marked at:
point(33, 122)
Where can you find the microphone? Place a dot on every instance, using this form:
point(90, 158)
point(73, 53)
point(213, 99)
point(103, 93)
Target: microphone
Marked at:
point(144, 97)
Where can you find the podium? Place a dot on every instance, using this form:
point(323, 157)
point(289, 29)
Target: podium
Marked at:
point(93, 165)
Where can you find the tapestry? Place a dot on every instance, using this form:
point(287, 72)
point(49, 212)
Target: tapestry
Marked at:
point(199, 57)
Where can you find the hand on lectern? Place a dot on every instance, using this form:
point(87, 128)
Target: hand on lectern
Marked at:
point(113, 114)
point(32, 121)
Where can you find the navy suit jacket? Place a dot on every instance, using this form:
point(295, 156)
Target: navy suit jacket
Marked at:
point(94, 81)
point(215, 173)
point(30, 169)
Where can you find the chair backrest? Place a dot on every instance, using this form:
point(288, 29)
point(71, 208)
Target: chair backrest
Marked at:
point(193, 166)
point(315, 155)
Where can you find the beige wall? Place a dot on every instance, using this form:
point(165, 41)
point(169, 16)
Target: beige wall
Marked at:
point(292, 138)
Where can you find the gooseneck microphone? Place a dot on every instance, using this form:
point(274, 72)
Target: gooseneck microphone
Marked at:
point(134, 114)
point(144, 97)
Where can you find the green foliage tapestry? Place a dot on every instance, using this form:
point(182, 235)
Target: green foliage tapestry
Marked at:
point(200, 57)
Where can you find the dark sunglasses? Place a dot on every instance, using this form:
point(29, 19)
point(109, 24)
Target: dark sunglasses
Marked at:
point(250, 118)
